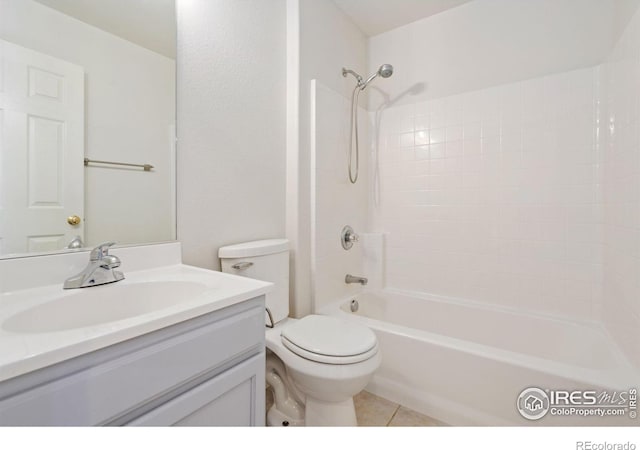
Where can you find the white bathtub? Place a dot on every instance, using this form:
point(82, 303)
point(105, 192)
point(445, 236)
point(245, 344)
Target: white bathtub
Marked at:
point(466, 363)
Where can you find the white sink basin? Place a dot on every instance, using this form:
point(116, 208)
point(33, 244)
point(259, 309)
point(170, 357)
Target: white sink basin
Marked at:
point(102, 304)
point(41, 324)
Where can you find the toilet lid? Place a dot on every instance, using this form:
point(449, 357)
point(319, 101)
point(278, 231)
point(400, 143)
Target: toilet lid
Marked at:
point(329, 339)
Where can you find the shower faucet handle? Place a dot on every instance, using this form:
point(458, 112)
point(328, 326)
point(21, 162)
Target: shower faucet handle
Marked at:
point(348, 237)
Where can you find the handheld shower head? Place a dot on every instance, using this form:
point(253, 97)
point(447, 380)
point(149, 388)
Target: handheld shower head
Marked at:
point(385, 71)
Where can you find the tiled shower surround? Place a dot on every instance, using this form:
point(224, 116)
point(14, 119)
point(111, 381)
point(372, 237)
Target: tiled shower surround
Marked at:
point(524, 195)
point(494, 195)
point(619, 128)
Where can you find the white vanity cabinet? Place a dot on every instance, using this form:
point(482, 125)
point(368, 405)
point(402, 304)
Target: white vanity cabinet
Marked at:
point(206, 371)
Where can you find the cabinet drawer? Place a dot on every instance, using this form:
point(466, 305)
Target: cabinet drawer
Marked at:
point(229, 399)
point(134, 375)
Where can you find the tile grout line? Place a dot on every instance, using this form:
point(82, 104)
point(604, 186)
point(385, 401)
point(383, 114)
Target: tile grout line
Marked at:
point(393, 415)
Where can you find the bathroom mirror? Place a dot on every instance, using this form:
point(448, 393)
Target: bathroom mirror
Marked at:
point(87, 123)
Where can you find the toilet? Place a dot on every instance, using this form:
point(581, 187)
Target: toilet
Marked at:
point(316, 364)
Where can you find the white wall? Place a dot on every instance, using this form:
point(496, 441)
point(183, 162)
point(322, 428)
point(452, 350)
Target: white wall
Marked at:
point(327, 41)
point(492, 42)
point(130, 109)
point(619, 127)
point(231, 124)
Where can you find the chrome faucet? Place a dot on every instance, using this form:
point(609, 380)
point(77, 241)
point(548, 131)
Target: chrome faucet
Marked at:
point(98, 271)
point(353, 279)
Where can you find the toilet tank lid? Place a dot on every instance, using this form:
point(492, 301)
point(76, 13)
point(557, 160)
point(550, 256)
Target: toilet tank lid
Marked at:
point(254, 248)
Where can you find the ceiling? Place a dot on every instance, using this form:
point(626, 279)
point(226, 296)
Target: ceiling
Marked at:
point(152, 24)
point(377, 16)
point(148, 23)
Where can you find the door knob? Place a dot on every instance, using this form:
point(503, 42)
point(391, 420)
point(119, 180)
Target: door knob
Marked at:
point(74, 220)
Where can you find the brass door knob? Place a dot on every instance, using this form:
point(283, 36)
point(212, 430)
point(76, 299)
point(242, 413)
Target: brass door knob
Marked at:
point(74, 220)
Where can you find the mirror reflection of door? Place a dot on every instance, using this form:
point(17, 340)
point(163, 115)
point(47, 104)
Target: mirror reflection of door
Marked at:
point(42, 141)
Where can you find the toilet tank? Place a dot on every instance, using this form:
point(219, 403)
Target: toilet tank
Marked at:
point(266, 260)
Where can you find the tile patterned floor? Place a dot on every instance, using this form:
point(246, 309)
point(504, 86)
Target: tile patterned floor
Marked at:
point(374, 411)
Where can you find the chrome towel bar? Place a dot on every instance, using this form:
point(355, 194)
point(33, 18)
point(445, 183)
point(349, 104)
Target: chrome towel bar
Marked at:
point(145, 167)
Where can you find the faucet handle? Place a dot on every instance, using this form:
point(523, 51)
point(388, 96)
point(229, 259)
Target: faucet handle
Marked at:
point(100, 251)
point(348, 237)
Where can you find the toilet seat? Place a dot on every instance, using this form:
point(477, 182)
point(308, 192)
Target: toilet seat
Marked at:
point(329, 340)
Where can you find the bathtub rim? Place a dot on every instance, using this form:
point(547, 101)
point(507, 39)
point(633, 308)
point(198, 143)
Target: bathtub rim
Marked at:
point(623, 376)
point(493, 307)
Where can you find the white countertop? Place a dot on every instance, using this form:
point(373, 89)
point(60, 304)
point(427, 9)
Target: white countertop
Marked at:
point(22, 352)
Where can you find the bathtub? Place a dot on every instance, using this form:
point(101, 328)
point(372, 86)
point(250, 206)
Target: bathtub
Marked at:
point(465, 363)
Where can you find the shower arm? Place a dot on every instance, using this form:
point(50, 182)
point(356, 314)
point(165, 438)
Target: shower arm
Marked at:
point(355, 74)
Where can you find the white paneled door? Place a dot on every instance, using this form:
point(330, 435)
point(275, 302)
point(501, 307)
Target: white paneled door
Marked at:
point(41, 151)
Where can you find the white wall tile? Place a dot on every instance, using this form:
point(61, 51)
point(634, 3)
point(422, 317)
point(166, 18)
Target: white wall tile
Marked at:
point(619, 99)
point(525, 194)
point(496, 190)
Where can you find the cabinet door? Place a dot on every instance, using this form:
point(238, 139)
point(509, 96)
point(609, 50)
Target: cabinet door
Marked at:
point(116, 384)
point(233, 398)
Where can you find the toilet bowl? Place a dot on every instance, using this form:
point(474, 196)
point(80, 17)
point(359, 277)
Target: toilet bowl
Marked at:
point(315, 364)
point(325, 383)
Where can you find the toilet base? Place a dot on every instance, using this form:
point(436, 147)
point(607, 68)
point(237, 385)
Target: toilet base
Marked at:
point(275, 418)
point(330, 414)
point(317, 414)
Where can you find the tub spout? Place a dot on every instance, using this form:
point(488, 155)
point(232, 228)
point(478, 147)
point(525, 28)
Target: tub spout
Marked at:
point(349, 279)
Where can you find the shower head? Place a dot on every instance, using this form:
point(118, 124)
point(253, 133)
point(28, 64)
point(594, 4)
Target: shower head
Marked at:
point(385, 71)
